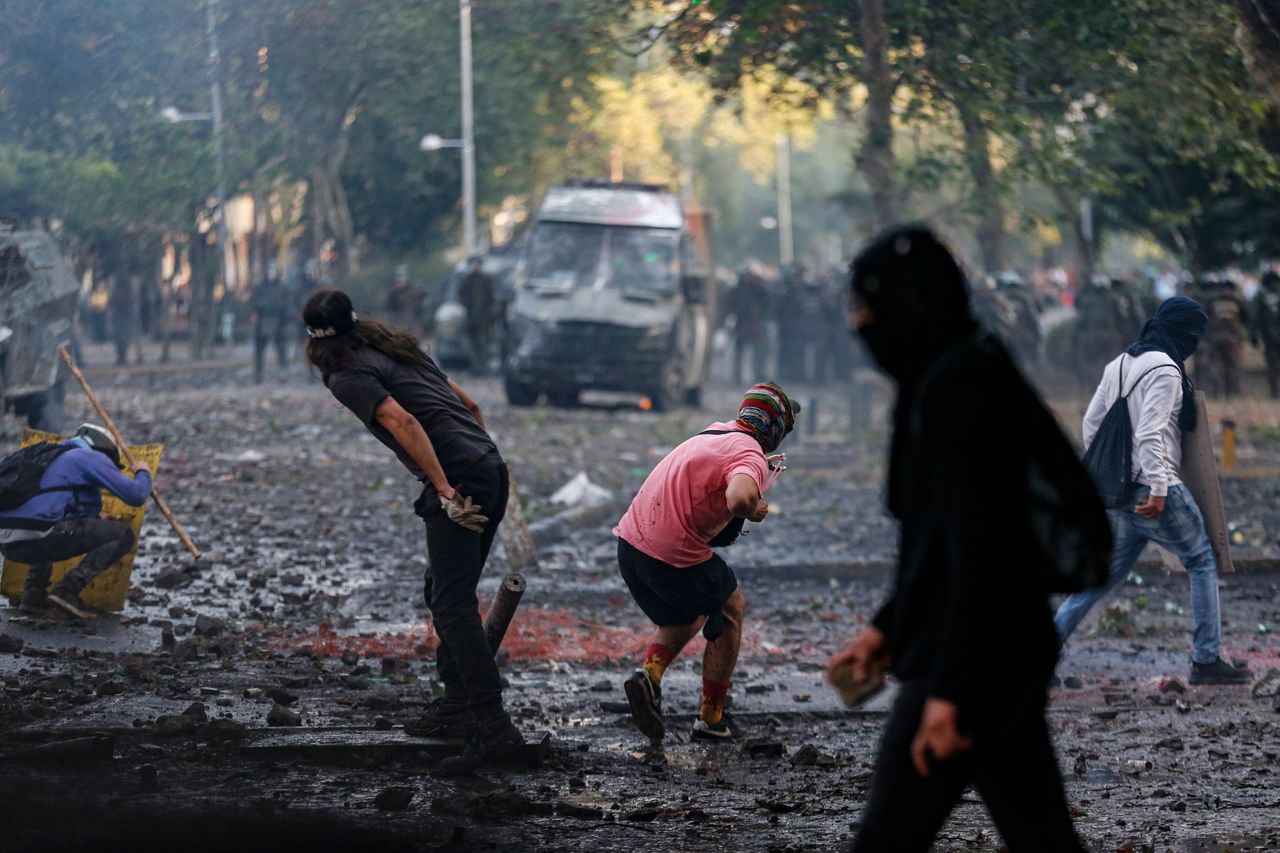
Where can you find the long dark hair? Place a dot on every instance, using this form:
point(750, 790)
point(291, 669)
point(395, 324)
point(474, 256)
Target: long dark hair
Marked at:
point(330, 312)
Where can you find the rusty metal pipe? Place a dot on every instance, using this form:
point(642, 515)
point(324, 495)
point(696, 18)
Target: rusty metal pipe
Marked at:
point(502, 608)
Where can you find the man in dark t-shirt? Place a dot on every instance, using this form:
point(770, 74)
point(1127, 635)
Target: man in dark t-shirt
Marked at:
point(425, 391)
point(437, 431)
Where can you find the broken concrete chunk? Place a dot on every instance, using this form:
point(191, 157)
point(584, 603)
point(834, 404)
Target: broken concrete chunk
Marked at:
point(763, 747)
point(175, 725)
point(222, 731)
point(580, 491)
point(10, 644)
point(209, 626)
point(197, 711)
point(394, 799)
point(279, 715)
point(568, 809)
point(1265, 688)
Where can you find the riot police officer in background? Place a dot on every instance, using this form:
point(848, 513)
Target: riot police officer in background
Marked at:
point(1218, 365)
point(1105, 323)
point(1265, 314)
point(1024, 313)
point(478, 294)
point(272, 311)
point(748, 305)
point(404, 302)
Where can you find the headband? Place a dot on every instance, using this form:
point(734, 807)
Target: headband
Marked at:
point(332, 331)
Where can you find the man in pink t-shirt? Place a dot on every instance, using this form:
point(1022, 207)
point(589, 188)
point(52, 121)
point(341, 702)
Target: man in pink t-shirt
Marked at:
point(697, 496)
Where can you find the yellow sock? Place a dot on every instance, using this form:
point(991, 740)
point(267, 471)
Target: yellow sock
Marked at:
point(712, 708)
point(656, 661)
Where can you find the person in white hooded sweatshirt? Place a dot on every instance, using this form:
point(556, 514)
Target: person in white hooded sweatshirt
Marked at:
point(1150, 372)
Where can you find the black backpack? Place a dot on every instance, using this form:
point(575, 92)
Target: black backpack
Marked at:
point(1109, 457)
point(20, 475)
point(1066, 528)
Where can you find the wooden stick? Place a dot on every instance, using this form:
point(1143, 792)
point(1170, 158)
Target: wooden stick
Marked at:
point(124, 450)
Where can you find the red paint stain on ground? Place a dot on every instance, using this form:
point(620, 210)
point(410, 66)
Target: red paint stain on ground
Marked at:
point(533, 635)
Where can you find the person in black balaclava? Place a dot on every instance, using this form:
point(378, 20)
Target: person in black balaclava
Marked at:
point(967, 630)
point(1151, 374)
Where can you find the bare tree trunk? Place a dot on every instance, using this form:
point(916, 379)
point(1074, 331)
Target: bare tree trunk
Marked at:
point(330, 211)
point(1259, 34)
point(990, 206)
point(203, 322)
point(875, 160)
point(1084, 248)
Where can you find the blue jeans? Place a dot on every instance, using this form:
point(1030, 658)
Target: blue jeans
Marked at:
point(1180, 529)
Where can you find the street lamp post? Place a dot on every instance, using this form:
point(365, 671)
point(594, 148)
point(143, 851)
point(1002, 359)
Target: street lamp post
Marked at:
point(468, 132)
point(434, 142)
point(173, 115)
point(786, 240)
point(219, 156)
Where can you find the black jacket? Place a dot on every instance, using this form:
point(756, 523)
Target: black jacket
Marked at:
point(969, 612)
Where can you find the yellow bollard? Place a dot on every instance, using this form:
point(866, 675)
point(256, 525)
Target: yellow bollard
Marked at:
point(1228, 445)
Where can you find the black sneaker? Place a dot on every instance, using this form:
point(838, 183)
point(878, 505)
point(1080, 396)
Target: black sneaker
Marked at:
point(645, 699)
point(34, 601)
point(444, 717)
point(493, 736)
point(1219, 672)
point(725, 730)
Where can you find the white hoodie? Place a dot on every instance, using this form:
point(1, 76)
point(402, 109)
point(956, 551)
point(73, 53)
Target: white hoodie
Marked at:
point(1154, 405)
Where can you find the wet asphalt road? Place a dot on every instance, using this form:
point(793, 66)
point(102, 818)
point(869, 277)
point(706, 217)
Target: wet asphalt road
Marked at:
point(311, 584)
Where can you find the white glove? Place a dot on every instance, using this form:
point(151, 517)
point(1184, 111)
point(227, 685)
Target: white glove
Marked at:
point(464, 513)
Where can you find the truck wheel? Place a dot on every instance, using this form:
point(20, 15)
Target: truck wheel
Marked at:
point(519, 394)
point(670, 394)
point(44, 411)
point(565, 398)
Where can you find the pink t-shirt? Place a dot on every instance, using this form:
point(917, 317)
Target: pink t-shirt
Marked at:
point(681, 505)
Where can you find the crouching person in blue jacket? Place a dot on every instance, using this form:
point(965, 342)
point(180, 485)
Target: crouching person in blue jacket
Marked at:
point(62, 517)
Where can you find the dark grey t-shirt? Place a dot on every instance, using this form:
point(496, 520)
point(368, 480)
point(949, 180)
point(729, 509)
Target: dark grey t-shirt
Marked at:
point(423, 392)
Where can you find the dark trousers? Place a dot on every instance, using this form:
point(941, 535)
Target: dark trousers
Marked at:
point(102, 541)
point(271, 334)
point(457, 555)
point(1273, 368)
point(1013, 768)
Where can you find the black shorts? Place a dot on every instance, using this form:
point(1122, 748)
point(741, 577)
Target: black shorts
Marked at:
point(672, 596)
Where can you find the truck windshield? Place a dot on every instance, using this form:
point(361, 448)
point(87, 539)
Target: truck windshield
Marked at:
point(565, 255)
point(643, 259)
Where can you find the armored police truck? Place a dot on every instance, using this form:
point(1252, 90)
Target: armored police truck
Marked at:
point(38, 302)
point(614, 292)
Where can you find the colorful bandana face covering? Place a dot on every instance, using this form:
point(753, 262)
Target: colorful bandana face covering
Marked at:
point(768, 414)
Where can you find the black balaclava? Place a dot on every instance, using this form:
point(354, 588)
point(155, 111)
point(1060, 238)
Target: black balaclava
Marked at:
point(1175, 330)
point(918, 296)
point(920, 304)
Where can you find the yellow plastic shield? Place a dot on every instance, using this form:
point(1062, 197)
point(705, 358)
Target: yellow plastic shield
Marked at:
point(109, 589)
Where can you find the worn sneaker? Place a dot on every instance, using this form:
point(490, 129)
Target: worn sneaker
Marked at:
point(71, 603)
point(725, 730)
point(493, 736)
point(645, 699)
point(1219, 672)
point(444, 717)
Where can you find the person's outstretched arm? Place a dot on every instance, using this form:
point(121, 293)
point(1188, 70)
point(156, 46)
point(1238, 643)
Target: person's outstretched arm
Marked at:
point(101, 473)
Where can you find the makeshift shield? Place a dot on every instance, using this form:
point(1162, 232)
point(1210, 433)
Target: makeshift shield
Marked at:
point(109, 589)
point(1200, 475)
